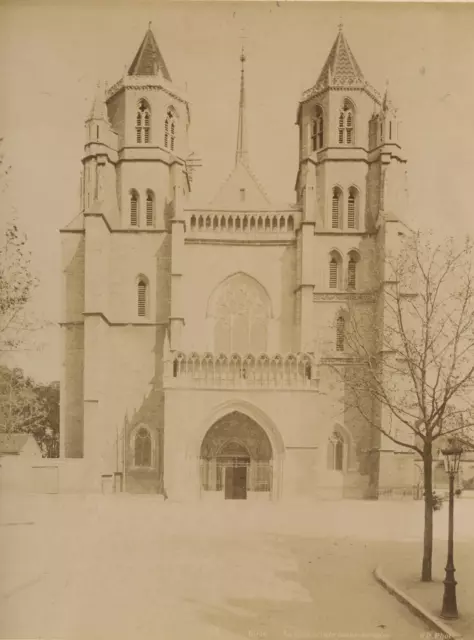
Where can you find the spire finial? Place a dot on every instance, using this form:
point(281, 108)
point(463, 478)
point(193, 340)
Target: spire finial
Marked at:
point(241, 152)
point(340, 26)
point(149, 26)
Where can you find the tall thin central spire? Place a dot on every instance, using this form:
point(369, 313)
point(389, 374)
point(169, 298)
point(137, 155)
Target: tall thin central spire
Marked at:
point(241, 153)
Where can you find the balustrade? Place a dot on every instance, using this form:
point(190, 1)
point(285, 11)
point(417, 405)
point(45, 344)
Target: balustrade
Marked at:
point(279, 222)
point(231, 371)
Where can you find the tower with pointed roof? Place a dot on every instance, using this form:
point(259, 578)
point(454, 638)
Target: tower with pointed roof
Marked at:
point(200, 342)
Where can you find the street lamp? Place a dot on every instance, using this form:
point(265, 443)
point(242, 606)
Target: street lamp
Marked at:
point(452, 457)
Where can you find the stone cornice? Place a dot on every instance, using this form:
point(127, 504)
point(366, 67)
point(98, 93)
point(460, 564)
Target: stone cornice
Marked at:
point(110, 323)
point(339, 296)
point(111, 229)
point(241, 243)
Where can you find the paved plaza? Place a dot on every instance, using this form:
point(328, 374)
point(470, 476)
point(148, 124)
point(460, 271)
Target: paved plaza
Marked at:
point(134, 567)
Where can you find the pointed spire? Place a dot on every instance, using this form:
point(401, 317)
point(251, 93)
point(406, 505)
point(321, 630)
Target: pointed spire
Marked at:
point(99, 109)
point(148, 60)
point(341, 67)
point(387, 102)
point(241, 152)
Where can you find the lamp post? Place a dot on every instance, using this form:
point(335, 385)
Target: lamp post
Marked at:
point(452, 457)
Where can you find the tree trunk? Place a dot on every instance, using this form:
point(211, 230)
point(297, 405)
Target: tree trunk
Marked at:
point(428, 531)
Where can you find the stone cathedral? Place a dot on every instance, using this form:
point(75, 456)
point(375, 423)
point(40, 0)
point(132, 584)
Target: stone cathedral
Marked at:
point(200, 344)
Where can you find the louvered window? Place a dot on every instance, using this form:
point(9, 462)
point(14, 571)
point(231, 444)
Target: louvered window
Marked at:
point(349, 127)
point(134, 209)
point(142, 295)
point(170, 130)
point(340, 324)
point(351, 211)
point(351, 273)
point(333, 273)
point(335, 220)
point(341, 128)
point(317, 135)
point(150, 209)
point(314, 135)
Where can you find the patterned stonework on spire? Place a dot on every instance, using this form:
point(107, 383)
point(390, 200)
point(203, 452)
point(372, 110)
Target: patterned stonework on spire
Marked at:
point(341, 70)
point(148, 60)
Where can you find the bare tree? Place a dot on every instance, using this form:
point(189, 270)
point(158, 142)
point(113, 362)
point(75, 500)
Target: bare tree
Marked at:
point(412, 355)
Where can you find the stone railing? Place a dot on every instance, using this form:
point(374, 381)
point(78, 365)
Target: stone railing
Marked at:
point(292, 371)
point(275, 222)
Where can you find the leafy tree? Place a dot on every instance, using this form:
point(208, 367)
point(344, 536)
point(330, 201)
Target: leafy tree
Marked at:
point(411, 370)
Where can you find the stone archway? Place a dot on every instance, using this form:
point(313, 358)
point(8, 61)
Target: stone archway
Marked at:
point(236, 459)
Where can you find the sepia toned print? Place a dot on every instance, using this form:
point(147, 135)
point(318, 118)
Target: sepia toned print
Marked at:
point(264, 402)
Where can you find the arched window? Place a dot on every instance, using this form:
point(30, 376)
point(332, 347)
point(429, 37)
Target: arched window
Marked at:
point(336, 452)
point(241, 311)
point(170, 129)
point(336, 208)
point(142, 448)
point(150, 208)
point(352, 270)
point(317, 129)
point(346, 123)
point(334, 270)
point(134, 208)
point(143, 127)
point(353, 209)
point(142, 297)
point(340, 333)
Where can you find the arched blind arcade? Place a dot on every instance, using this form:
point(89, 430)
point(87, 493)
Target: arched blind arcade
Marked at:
point(241, 315)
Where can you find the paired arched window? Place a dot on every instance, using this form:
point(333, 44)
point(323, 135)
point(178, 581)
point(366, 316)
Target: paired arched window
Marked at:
point(317, 129)
point(143, 126)
point(336, 452)
point(134, 208)
point(336, 208)
point(143, 448)
point(352, 270)
point(170, 129)
point(334, 270)
point(340, 333)
point(142, 297)
point(346, 123)
point(150, 208)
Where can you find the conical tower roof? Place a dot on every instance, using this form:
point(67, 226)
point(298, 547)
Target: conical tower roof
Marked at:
point(148, 60)
point(341, 69)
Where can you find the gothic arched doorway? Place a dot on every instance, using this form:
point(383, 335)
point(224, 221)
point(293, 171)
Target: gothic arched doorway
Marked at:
point(236, 458)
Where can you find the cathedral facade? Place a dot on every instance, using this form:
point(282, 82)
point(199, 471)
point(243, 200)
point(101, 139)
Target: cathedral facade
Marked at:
point(200, 345)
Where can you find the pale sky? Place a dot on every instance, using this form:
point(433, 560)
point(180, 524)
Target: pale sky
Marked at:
point(51, 58)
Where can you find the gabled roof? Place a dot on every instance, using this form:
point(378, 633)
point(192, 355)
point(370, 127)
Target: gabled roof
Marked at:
point(341, 69)
point(148, 60)
point(241, 191)
point(13, 443)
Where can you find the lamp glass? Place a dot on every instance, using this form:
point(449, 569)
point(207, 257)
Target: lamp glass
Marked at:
point(452, 458)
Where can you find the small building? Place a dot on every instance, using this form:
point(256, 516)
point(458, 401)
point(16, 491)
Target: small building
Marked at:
point(18, 454)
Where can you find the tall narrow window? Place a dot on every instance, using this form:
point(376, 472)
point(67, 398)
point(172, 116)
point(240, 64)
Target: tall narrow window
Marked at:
point(317, 129)
point(340, 330)
point(352, 209)
point(346, 123)
point(143, 125)
point(150, 209)
point(336, 452)
point(134, 209)
point(352, 270)
point(142, 288)
point(142, 448)
point(170, 130)
point(341, 128)
point(333, 269)
point(351, 273)
point(336, 209)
